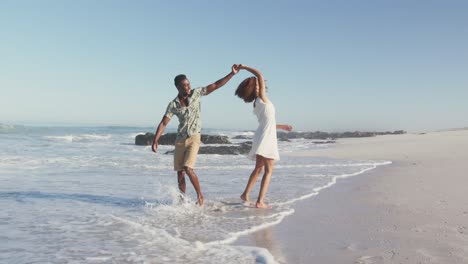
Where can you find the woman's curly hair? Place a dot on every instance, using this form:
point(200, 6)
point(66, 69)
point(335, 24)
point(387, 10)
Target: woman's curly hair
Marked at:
point(247, 89)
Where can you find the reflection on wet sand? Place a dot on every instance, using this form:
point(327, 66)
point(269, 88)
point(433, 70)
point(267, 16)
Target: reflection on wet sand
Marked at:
point(264, 238)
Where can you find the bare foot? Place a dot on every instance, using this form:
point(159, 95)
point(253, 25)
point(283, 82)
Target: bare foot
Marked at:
point(244, 198)
point(263, 206)
point(181, 198)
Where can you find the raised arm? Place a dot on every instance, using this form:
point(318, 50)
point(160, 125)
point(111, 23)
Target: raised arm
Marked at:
point(162, 125)
point(284, 127)
point(219, 83)
point(261, 81)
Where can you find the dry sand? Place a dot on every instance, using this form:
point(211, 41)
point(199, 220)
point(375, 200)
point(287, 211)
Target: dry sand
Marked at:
point(414, 210)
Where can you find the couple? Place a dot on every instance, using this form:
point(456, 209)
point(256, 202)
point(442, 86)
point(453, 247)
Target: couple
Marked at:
point(186, 106)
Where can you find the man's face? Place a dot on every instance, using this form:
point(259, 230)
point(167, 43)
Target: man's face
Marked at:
point(184, 88)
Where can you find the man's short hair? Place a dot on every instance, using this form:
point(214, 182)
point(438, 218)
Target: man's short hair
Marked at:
point(179, 78)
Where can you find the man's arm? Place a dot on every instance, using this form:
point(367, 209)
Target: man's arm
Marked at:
point(162, 125)
point(219, 83)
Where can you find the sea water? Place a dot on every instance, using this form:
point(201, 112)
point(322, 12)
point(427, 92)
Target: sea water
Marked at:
point(89, 195)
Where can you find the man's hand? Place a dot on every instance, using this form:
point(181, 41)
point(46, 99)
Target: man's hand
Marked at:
point(154, 147)
point(235, 68)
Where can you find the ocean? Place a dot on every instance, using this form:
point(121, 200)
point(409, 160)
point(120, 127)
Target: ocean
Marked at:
point(89, 195)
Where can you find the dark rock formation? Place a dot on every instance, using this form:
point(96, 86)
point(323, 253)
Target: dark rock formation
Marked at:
point(244, 148)
point(240, 149)
point(326, 135)
point(169, 139)
point(144, 140)
point(242, 137)
point(215, 139)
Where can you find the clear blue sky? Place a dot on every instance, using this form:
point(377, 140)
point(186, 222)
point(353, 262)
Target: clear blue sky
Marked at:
point(329, 65)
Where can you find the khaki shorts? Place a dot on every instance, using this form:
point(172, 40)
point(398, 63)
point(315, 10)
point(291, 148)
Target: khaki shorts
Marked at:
point(186, 151)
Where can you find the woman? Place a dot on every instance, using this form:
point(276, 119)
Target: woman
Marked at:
point(264, 146)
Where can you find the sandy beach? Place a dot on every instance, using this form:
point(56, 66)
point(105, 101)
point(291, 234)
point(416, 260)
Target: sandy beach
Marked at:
point(414, 210)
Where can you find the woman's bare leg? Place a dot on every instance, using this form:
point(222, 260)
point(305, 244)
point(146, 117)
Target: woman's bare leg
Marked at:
point(265, 182)
point(253, 178)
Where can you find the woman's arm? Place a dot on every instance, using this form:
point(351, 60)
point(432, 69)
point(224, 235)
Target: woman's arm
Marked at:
point(284, 127)
point(261, 81)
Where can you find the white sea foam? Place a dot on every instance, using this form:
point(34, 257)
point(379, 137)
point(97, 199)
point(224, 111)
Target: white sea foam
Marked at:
point(235, 235)
point(80, 138)
point(4, 128)
point(68, 138)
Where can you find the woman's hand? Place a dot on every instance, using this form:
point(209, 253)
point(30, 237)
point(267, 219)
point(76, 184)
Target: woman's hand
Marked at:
point(288, 128)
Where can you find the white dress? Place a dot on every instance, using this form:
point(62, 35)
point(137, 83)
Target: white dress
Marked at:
point(264, 141)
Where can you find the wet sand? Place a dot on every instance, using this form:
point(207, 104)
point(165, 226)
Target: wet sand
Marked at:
point(414, 210)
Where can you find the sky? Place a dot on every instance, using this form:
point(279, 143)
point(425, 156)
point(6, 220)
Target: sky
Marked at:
point(329, 65)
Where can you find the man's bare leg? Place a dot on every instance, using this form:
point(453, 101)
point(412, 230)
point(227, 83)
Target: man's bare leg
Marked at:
point(181, 181)
point(194, 180)
point(265, 183)
point(253, 178)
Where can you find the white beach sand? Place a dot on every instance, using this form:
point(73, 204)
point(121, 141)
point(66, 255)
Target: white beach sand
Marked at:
point(412, 211)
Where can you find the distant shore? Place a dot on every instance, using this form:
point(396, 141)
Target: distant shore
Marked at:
point(412, 211)
point(225, 146)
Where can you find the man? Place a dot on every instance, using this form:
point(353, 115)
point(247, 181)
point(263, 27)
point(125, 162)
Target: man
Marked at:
point(186, 106)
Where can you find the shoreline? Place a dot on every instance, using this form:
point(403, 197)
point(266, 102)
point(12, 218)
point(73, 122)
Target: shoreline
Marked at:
point(414, 210)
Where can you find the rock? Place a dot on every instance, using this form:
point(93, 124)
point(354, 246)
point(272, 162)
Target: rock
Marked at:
point(144, 140)
point(305, 135)
point(242, 137)
point(169, 139)
point(215, 139)
point(240, 149)
point(326, 135)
